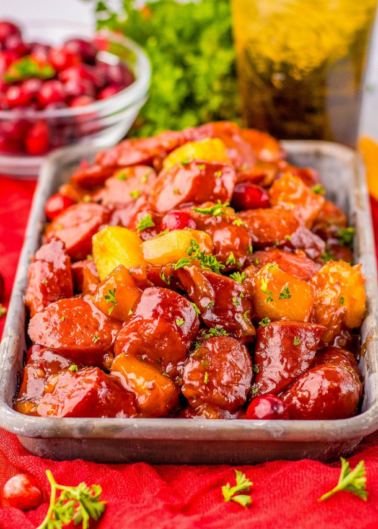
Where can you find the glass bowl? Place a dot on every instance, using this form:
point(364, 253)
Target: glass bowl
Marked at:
point(102, 123)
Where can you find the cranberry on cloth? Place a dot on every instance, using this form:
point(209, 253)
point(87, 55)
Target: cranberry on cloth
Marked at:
point(140, 496)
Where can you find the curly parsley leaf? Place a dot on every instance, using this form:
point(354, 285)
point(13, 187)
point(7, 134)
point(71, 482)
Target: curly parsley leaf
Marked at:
point(242, 485)
point(145, 222)
point(346, 236)
point(239, 277)
point(216, 211)
point(351, 480)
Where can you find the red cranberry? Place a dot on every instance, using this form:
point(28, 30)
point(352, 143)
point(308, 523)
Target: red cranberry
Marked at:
point(51, 92)
point(33, 349)
point(40, 52)
point(23, 492)
point(31, 87)
point(81, 101)
point(56, 204)
point(10, 146)
point(87, 51)
point(62, 58)
point(2, 288)
point(16, 97)
point(6, 59)
point(17, 45)
point(37, 139)
point(109, 91)
point(268, 407)
point(14, 129)
point(79, 87)
point(249, 196)
point(119, 74)
point(177, 220)
point(83, 71)
point(7, 29)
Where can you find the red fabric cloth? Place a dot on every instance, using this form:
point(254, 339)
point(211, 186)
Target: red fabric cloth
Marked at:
point(141, 496)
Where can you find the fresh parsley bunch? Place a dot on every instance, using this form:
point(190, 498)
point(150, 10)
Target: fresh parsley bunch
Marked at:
point(193, 60)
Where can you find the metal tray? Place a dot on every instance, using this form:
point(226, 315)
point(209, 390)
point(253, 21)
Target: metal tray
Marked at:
point(193, 441)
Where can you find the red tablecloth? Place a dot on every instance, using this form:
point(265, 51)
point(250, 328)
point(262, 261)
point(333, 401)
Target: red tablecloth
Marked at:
point(141, 496)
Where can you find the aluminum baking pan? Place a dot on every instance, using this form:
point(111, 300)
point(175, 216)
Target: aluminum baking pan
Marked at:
point(198, 441)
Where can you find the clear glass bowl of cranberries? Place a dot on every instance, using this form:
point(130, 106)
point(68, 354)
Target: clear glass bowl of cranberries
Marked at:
point(63, 84)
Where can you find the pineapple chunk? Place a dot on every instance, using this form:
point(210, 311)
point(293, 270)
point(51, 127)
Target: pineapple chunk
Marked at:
point(339, 286)
point(172, 246)
point(116, 294)
point(209, 150)
point(281, 296)
point(113, 246)
point(155, 394)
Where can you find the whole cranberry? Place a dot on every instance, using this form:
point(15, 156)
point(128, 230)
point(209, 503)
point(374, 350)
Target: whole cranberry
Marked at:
point(40, 52)
point(32, 87)
point(14, 129)
point(16, 97)
point(33, 349)
point(23, 492)
point(2, 288)
point(84, 49)
point(10, 146)
point(82, 71)
point(109, 91)
point(37, 139)
point(16, 44)
point(7, 29)
point(51, 92)
point(62, 58)
point(177, 220)
point(268, 407)
point(81, 101)
point(79, 87)
point(56, 204)
point(6, 59)
point(119, 74)
point(249, 196)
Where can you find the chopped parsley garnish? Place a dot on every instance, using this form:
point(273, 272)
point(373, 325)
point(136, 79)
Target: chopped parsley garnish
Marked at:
point(198, 312)
point(145, 177)
point(121, 176)
point(184, 261)
point(270, 297)
point(44, 282)
point(231, 259)
point(250, 249)
point(341, 301)
point(179, 322)
point(245, 315)
point(288, 237)
point(89, 257)
point(239, 277)
point(96, 338)
point(165, 279)
point(264, 285)
point(207, 262)
point(350, 480)
point(235, 302)
point(218, 174)
point(111, 299)
point(3, 310)
point(175, 191)
point(254, 389)
point(296, 341)
point(255, 368)
point(241, 295)
point(135, 194)
point(210, 305)
point(327, 256)
point(318, 189)
point(256, 261)
point(63, 318)
point(206, 378)
point(130, 312)
point(264, 322)
point(285, 294)
point(201, 167)
point(145, 222)
point(216, 211)
point(186, 162)
point(232, 493)
point(73, 368)
point(346, 236)
point(238, 222)
point(271, 265)
point(162, 233)
point(86, 198)
point(276, 243)
point(214, 331)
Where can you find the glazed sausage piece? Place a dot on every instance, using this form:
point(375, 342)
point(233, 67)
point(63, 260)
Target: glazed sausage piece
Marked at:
point(146, 223)
point(160, 330)
point(40, 366)
point(93, 176)
point(88, 392)
point(218, 373)
point(310, 177)
point(284, 351)
point(75, 328)
point(49, 277)
point(222, 301)
point(328, 221)
point(75, 227)
point(208, 412)
point(296, 264)
point(231, 238)
point(126, 185)
point(78, 271)
point(338, 357)
point(291, 191)
point(155, 393)
point(193, 183)
point(326, 392)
